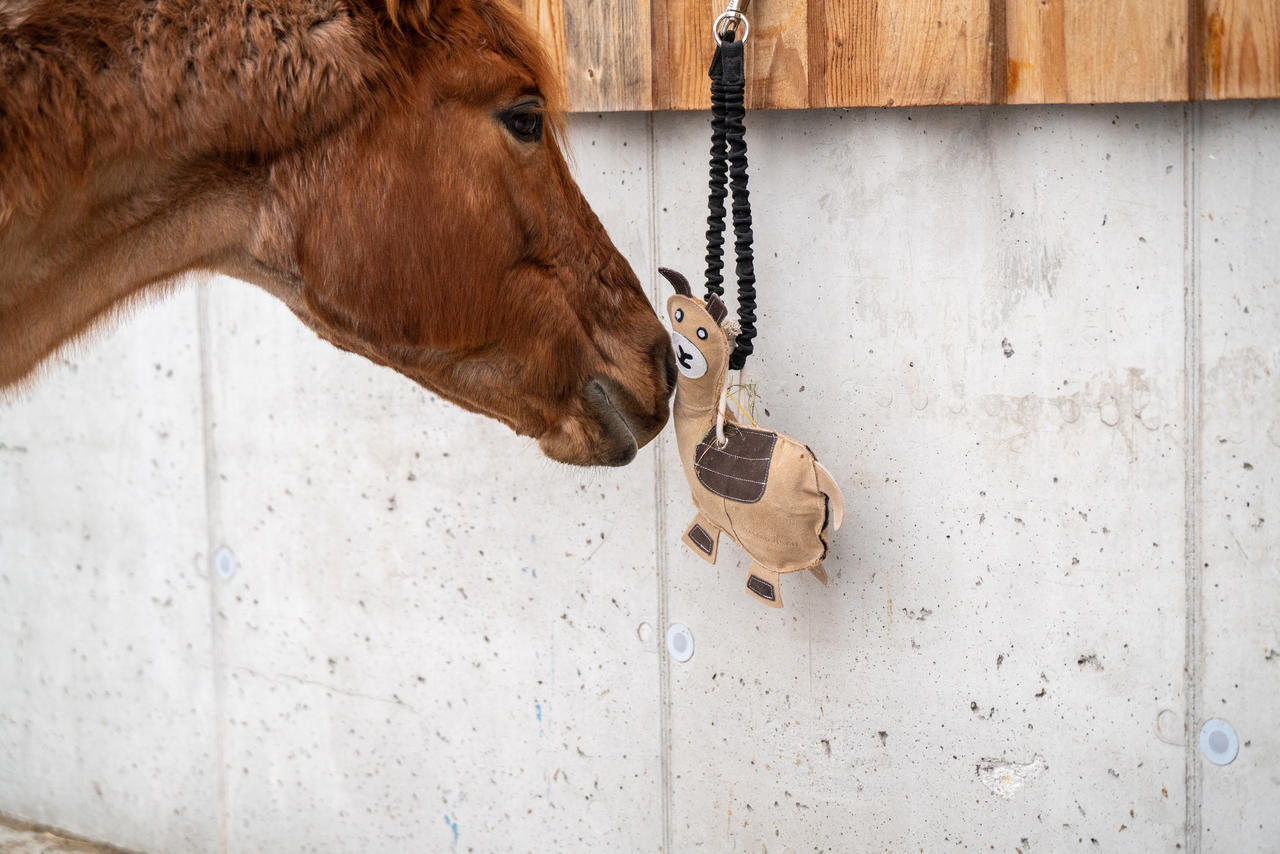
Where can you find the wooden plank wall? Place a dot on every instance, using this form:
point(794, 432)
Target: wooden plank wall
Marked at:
point(653, 54)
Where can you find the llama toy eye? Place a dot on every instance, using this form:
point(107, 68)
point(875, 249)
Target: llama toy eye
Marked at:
point(702, 333)
point(679, 314)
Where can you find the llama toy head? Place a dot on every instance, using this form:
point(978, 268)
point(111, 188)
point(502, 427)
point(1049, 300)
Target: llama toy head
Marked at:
point(700, 343)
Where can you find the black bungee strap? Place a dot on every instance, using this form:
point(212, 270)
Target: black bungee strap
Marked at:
point(729, 166)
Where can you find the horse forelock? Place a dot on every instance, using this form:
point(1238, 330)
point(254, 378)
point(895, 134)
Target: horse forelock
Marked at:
point(496, 28)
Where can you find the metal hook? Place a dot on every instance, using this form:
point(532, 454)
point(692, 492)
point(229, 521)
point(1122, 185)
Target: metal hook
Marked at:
point(726, 24)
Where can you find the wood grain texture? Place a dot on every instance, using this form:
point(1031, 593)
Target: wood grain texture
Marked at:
point(683, 45)
point(1036, 63)
point(1062, 51)
point(653, 54)
point(887, 52)
point(611, 66)
point(1126, 50)
point(844, 53)
point(933, 52)
point(777, 52)
point(547, 17)
point(1240, 49)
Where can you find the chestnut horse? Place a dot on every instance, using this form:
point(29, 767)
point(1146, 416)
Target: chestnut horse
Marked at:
point(389, 169)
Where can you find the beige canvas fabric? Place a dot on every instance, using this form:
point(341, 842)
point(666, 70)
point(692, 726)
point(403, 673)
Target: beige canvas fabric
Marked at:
point(764, 490)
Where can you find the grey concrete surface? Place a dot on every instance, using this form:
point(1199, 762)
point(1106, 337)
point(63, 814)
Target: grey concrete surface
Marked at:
point(1037, 346)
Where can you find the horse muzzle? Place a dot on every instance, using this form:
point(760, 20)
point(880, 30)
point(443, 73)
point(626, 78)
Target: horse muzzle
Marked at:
point(614, 427)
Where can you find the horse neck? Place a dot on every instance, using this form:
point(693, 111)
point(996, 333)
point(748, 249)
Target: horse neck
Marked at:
point(111, 179)
point(191, 81)
point(90, 251)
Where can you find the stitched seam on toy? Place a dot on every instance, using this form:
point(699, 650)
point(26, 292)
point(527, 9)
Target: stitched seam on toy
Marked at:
point(733, 476)
point(826, 519)
point(735, 456)
point(754, 500)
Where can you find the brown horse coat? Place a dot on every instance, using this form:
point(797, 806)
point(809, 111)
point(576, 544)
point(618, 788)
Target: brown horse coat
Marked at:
point(379, 166)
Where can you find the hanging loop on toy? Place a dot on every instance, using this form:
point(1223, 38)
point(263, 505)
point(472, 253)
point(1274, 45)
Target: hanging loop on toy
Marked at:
point(725, 27)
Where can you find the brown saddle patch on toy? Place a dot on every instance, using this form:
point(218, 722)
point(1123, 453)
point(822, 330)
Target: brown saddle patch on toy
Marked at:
point(740, 470)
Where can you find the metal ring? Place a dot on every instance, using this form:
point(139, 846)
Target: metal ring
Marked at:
point(725, 16)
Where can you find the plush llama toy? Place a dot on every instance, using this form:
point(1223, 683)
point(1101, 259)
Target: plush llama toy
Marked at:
point(761, 488)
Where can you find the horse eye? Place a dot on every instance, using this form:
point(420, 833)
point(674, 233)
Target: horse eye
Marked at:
point(524, 123)
point(702, 333)
point(679, 314)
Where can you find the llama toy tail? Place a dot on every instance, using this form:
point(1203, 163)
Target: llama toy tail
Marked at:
point(827, 486)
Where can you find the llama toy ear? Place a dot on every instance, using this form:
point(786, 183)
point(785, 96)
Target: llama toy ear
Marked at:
point(679, 282)
point(716, 308)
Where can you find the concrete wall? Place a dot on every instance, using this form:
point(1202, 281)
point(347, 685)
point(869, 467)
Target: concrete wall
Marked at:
point(1039, 349)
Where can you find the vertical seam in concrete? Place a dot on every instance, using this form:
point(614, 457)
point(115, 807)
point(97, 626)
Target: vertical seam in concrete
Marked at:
point(660, 529)
point(212, 534)
point(1193, 468)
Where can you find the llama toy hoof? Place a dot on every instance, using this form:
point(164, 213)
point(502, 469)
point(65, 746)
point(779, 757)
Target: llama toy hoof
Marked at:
point(762, 583)
point(703, 537)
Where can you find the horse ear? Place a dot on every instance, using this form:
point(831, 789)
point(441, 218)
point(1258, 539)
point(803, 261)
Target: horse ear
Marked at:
point(679, 282)
point(716, 308)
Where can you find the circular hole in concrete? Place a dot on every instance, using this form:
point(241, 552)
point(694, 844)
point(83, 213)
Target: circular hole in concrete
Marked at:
point(644, 631)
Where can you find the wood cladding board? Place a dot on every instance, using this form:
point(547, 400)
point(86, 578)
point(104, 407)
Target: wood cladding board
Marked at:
point(1063, 51)
point(653, 54)
point(1240, 49)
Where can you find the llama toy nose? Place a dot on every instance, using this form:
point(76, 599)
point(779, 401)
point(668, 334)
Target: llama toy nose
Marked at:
point(686, 358)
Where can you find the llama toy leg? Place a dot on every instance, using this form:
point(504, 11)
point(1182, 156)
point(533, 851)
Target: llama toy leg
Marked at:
point(703, 537)
point(762, 583)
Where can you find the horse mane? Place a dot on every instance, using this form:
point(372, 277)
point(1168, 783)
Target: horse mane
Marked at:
point(228, 80)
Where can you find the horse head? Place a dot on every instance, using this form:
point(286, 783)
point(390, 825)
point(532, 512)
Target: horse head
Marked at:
point(446, 238)
point(391, 169)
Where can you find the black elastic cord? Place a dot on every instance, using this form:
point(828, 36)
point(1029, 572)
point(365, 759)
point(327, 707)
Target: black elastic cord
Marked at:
point(729, 165)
